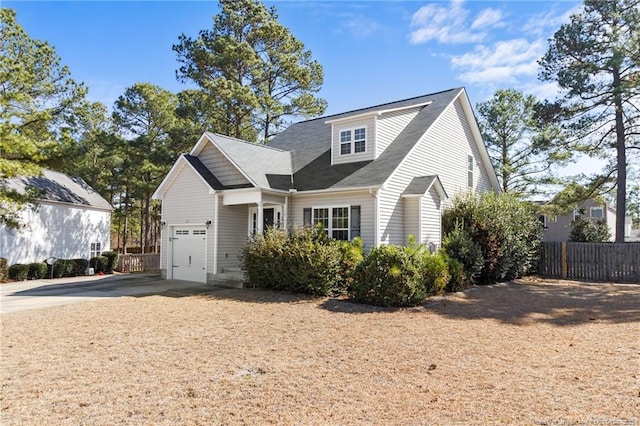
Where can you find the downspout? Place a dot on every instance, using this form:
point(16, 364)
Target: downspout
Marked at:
point(216, 204)
point(376, 216)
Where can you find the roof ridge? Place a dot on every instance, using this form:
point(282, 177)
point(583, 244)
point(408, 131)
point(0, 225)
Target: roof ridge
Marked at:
point(380, 105)
point(246, 142)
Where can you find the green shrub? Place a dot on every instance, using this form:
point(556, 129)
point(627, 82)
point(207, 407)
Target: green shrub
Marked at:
point(435, 272)
point(79, 266)
point(18, 272)
point(63, 268)
point(458, 277)
point(506, 230)
point(3, 269)
point(388, 276)
point(351, 254)
point(37, 271)
point(304, 262)
point(462, 249)
point(112, 260)
point(98, 263)
point(586, 230)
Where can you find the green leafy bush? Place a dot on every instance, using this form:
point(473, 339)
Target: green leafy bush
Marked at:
point(459, 279)
point(462, 249)
point(586, 230)
point(112, 260)
point(79, 266)
point(304, 261)
point(399, 276)
point(506, 230)
point(351, 254)
point(98, 263)
point(63, 268)
point(37, 271)
point(18, 272)
point(3, 269)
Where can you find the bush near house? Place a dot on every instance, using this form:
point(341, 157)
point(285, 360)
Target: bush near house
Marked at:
point(18, 272)
point(99, 264)
point(3, 269)
point(399, 276)
point(112, 260)
point(305, 261)
point(37, 270)
point(505, 230)
point(585, 230)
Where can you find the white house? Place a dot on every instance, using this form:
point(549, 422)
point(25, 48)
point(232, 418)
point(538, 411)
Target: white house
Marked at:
point(382, 173)
point(72, 221)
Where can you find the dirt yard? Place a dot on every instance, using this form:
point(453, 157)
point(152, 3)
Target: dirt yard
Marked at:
point(538, 353)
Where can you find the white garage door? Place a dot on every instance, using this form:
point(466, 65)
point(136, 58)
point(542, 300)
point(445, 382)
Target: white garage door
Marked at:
point(188, 250)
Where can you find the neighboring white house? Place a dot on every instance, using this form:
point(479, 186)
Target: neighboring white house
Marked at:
point(72, 221)
point(381, 173)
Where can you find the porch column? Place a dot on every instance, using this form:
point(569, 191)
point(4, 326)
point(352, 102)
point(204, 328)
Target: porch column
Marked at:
point(260, 224)
point(285, 213)
point(216, 208)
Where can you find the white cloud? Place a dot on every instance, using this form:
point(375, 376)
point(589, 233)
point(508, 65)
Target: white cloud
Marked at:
point(450, 24)
point(503, 63)
point(358, 25)
point(487, 18)
point(545, 23)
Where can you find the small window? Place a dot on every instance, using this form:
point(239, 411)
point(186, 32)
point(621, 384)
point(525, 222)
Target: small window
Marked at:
point(578, 213)
point(552, 219)
point(340, 223)
point(321, 217)
point(360, 140)
point(355, 221)
point(597, 212)
point(470, 163)
point(199, 232)
point(96, 249)
point(182, 232)
point(306, 217)
point(345, 142)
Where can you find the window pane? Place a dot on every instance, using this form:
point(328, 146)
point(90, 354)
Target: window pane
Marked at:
point(596, 212)
point(355, 221)
point(345, 148)
point(470, 179)
point(321, 216)
point(345, 136)
point(470, 162)
point(360, 146)
point(340, 235)
point(359, 134)
point(340, 218)
point(306, 216)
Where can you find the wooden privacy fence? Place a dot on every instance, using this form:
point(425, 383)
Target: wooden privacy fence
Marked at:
point(138, 262)
point(613, 262)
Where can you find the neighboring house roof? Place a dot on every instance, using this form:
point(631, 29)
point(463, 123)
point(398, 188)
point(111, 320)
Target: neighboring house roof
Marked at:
point(421, 184)
point(60, 188)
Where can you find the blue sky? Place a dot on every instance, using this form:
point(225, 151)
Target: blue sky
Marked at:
point(372, 51)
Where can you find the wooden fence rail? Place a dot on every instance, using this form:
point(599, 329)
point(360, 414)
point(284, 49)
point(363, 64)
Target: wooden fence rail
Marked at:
point(138, 262)
point(612, 262)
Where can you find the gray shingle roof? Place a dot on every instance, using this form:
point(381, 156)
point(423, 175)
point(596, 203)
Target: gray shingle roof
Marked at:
point(58, 187)
point(263, 165)
point(421, 184)
point(206, 174)
point(310, 143)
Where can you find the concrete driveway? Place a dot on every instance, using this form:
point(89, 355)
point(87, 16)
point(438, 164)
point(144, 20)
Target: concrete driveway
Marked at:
point(44, 293)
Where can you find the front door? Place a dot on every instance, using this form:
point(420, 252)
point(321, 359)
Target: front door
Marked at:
point(271, 217)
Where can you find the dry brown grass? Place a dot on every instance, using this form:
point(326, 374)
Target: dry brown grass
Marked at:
point(539, 354)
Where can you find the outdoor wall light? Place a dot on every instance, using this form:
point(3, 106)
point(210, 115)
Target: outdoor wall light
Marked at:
point(208, 223)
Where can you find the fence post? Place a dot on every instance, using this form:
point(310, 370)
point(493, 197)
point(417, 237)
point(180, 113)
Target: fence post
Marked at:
point(564, 260)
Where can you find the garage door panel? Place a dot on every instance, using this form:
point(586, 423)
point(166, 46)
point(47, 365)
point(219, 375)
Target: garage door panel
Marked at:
point(188, 252)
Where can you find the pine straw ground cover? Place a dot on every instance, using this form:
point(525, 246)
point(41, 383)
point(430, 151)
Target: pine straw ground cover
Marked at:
point(535, 353)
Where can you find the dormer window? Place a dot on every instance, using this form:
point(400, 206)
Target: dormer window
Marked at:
point(353, 140)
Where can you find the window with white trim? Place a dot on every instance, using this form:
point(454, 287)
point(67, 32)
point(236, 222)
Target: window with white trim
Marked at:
point(596, 212)
point(96, 249)
point(353, 141)
point(340, 223)
point(470, 162)
point(578, 213)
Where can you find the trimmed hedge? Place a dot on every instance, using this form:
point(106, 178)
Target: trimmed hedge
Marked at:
point(99, 264)
point(18, 272)
point(112, 260)
point(4, 273)
point(305, 261)
point(37, 271)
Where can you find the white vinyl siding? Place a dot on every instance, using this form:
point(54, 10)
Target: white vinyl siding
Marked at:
point(367, 123)
point(441, 151)
point(300, 202)
point(56, 230)
point(411, 207)
point(186, 201)
point(232, 235)
point(432, 218)
point(223, 169)
point(390, 125)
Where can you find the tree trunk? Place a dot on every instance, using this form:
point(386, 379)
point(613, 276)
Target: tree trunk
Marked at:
point(621, 182)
